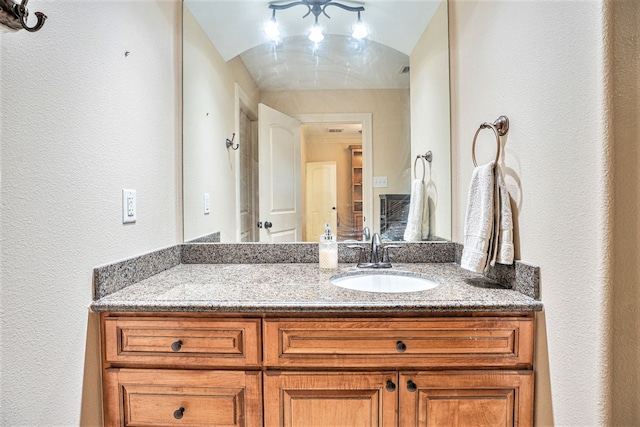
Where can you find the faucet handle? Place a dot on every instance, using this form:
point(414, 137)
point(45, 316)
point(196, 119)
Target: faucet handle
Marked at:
point(362, 258)
point(385, 251)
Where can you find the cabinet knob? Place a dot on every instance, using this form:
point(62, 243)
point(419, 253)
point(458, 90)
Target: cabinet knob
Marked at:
point(176, 346)
point(267, 225)
point(401, 347)
point(411, 386)
point(178, 413)
point(391, 386)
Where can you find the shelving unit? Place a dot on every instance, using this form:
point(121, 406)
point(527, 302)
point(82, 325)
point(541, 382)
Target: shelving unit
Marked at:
point(356, 191)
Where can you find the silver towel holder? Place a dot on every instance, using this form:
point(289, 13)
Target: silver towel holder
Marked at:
point(500, 128)
point(428, 156)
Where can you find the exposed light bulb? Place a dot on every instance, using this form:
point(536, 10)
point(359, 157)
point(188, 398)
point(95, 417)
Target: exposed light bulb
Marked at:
point(359, 30)
point(316, 35)
point(272, 30)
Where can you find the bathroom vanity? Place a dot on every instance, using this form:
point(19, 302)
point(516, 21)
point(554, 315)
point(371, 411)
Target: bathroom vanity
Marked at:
point(278, 345)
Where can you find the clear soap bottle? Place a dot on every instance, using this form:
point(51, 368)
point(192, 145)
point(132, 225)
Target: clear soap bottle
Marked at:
point(328, 250)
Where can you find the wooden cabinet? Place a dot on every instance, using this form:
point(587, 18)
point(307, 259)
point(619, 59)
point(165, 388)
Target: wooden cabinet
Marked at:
point(153, 397)
point(190, 390)
point(330, 399)
point(356, 192)
point(456, 399)
point(286, 371)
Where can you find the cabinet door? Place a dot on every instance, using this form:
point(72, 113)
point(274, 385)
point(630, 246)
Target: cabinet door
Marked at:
point(474, 399)
point(150, 397)
point(321, 399)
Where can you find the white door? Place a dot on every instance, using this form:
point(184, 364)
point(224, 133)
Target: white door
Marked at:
point(321, 199)
point(280, 181)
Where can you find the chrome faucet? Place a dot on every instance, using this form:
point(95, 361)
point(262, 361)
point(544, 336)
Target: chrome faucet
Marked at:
point(379, 254)
point(375, 248)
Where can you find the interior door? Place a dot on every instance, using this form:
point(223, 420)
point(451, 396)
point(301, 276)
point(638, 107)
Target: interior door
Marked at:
point(248, 182)
point(321, 199)
point(280, 180)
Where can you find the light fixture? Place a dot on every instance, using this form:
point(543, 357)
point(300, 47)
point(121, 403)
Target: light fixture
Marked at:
point(271, 28)
point(316, 35)
point(359, 29)
point(316, 7)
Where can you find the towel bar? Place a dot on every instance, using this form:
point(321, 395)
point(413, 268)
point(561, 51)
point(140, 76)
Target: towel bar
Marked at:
point(500, 128)
point(428, 156)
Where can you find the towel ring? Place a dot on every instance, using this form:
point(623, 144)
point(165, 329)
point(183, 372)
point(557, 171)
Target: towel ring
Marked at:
point(428, 156)
point(500, 128)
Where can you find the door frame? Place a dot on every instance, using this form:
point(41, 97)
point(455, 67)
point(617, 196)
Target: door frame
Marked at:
point(242, 100)
point(367, 152)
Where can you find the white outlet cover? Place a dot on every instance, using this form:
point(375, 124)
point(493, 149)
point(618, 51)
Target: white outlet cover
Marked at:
point(128, 206)
point(207, 204)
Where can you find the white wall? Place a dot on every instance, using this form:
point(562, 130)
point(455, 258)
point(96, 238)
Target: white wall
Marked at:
point(543, 64)
point(209, 119)
point(80, 121)
point(430, 117)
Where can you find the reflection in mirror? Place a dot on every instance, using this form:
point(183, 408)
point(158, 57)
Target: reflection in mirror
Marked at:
point(328, 132)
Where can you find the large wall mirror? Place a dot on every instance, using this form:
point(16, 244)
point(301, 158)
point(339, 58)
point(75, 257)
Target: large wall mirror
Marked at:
point(283, 134)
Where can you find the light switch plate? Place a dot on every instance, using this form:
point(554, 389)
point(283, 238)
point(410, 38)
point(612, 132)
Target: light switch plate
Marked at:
point(379, 182)
point(128, 206)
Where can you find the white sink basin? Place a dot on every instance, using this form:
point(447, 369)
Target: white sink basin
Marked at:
point(392, 283)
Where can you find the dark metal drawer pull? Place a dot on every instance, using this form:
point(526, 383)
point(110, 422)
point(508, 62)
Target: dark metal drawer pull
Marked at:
point(176, 346)
point(401, 347)
point(178, 413)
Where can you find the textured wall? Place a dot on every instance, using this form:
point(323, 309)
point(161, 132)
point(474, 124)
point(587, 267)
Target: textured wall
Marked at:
point(80, 122)
point(543, 65)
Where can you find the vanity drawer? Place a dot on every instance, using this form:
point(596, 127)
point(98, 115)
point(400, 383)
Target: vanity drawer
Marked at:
point(181, 342)
point(481, 342)
point(136, 397)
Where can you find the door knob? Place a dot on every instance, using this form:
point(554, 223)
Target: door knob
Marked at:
point(267, 225)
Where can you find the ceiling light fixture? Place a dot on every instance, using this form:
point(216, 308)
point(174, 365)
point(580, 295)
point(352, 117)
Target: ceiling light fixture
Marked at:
point(316, 7)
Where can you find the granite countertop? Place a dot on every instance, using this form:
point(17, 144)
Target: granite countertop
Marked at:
point(304, 288)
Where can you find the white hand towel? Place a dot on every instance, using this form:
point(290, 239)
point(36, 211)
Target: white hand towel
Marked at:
point(479, 221)
point(418, 219)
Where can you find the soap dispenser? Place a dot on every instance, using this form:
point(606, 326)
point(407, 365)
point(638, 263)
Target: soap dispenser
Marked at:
point(328, 250)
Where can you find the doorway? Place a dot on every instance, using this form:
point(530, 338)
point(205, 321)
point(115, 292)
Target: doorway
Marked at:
point(324, 134)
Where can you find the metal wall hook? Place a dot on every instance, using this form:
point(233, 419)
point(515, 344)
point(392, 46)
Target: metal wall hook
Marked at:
point(230, 143)
point(23, 13)
point(15, 16)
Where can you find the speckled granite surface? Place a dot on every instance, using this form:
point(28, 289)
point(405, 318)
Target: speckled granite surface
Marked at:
point(304, 288)
point(209, 238)
point(520, 276)
point(118, 275)
point(266, 253)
